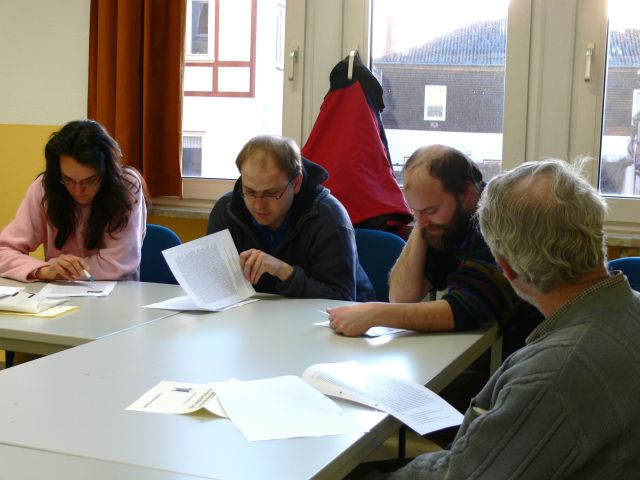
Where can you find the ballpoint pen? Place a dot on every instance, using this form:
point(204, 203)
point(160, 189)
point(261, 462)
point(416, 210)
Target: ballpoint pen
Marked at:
point(88, 275)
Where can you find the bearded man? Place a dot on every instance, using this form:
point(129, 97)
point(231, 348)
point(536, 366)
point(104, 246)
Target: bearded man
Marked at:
point(445, 252)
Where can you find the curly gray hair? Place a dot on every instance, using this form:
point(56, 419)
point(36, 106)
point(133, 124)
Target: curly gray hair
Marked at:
point(545, 221)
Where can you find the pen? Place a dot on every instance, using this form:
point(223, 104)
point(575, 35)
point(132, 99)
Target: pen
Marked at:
point(88, 275)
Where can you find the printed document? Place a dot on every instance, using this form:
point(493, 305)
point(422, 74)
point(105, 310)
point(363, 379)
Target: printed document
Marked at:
point(414, 405)
point(267, 409)
point(209, 271)
point(178, 397)
point(61, 289)
point(5, 291)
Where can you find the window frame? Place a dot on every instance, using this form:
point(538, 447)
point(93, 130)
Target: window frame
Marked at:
point(549, 110)
point(212, 61)
point(590, 20)
point(635, 104)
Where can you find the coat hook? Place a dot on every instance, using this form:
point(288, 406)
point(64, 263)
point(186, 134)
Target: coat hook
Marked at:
point(352, 56)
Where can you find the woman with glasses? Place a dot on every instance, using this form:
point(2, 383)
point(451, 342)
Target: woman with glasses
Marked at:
point(86, 209)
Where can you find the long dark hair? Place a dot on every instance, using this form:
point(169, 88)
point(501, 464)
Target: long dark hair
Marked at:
point(89, 144)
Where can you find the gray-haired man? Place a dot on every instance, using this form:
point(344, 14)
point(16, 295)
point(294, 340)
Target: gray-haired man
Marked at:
point(566, 404)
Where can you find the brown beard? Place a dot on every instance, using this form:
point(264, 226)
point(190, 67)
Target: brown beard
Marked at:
point(453, 232)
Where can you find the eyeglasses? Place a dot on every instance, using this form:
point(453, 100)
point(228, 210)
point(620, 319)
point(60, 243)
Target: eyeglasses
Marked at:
point(267, 194)
point(86, 183)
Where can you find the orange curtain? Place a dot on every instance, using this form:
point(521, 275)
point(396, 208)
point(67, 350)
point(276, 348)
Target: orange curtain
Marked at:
point(135, 84)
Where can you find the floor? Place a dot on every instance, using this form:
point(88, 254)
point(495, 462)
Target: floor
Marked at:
point(415, 446)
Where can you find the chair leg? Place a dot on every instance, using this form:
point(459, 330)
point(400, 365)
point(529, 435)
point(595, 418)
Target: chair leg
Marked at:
point(402, 442)
point(8, 358)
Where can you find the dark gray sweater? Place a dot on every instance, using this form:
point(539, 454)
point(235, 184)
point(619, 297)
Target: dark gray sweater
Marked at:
point(567, 405)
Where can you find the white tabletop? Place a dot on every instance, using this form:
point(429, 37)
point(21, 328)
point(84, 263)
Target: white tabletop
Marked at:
point(96, 317)
point(74, 402)
point(18, 463)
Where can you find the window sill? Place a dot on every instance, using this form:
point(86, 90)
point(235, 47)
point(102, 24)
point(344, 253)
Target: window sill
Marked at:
point(181, 208)
point(623, 240)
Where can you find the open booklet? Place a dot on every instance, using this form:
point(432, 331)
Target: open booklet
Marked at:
point(29, 303)
point(209, 270)
point(285, 407)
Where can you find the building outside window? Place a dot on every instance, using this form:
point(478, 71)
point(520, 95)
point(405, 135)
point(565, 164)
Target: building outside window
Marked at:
point(232, 80)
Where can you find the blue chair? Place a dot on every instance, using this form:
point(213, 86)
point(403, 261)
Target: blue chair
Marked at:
point(8, 358)
point(630, 266)
point(377, 252)
point(153, 266)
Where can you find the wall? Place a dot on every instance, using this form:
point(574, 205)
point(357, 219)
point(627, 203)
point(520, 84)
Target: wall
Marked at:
point(44, 47)
point(43, 60)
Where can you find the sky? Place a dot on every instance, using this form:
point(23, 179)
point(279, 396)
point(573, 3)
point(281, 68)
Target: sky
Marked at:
point(418, 21)
point(624, 14)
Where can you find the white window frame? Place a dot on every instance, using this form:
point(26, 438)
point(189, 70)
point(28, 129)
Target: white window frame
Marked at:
point(585, 101)
point(295, 15)
point(549, 110)
point(635, 103)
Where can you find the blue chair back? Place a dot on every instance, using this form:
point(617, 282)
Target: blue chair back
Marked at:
point(153, 266)
point(630, 266)
point(377, 252)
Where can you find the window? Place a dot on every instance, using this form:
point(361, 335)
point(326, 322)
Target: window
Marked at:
point(435, 102)
point(233, 85)
point(619, 151)
point(442, 69)
point(221, 46)
point(192, 155)
point(198, 29)
point(279, 50)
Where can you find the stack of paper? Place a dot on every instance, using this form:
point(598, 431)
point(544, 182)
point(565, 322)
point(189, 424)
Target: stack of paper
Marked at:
point(77, 289)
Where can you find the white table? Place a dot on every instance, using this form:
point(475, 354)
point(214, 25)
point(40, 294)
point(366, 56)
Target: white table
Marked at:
point(27, 463)
point(97, 317)
point(73, 403)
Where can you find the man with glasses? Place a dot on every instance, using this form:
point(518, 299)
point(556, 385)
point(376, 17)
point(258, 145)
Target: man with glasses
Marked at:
point(294, 237)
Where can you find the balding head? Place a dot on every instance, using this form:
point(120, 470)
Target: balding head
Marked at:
point(452, 167)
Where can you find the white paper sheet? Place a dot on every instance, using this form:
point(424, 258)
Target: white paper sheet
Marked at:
point(282, 407)
point(6, 291)
point(416, 406)
point(185, 303)
point(209, 271)
point(373, 331)
point(60, 289)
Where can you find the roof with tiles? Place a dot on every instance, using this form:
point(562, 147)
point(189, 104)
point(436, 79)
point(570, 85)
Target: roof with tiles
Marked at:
point(484, 43)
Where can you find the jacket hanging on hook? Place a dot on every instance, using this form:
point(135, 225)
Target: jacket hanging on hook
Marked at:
point(349, 141)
